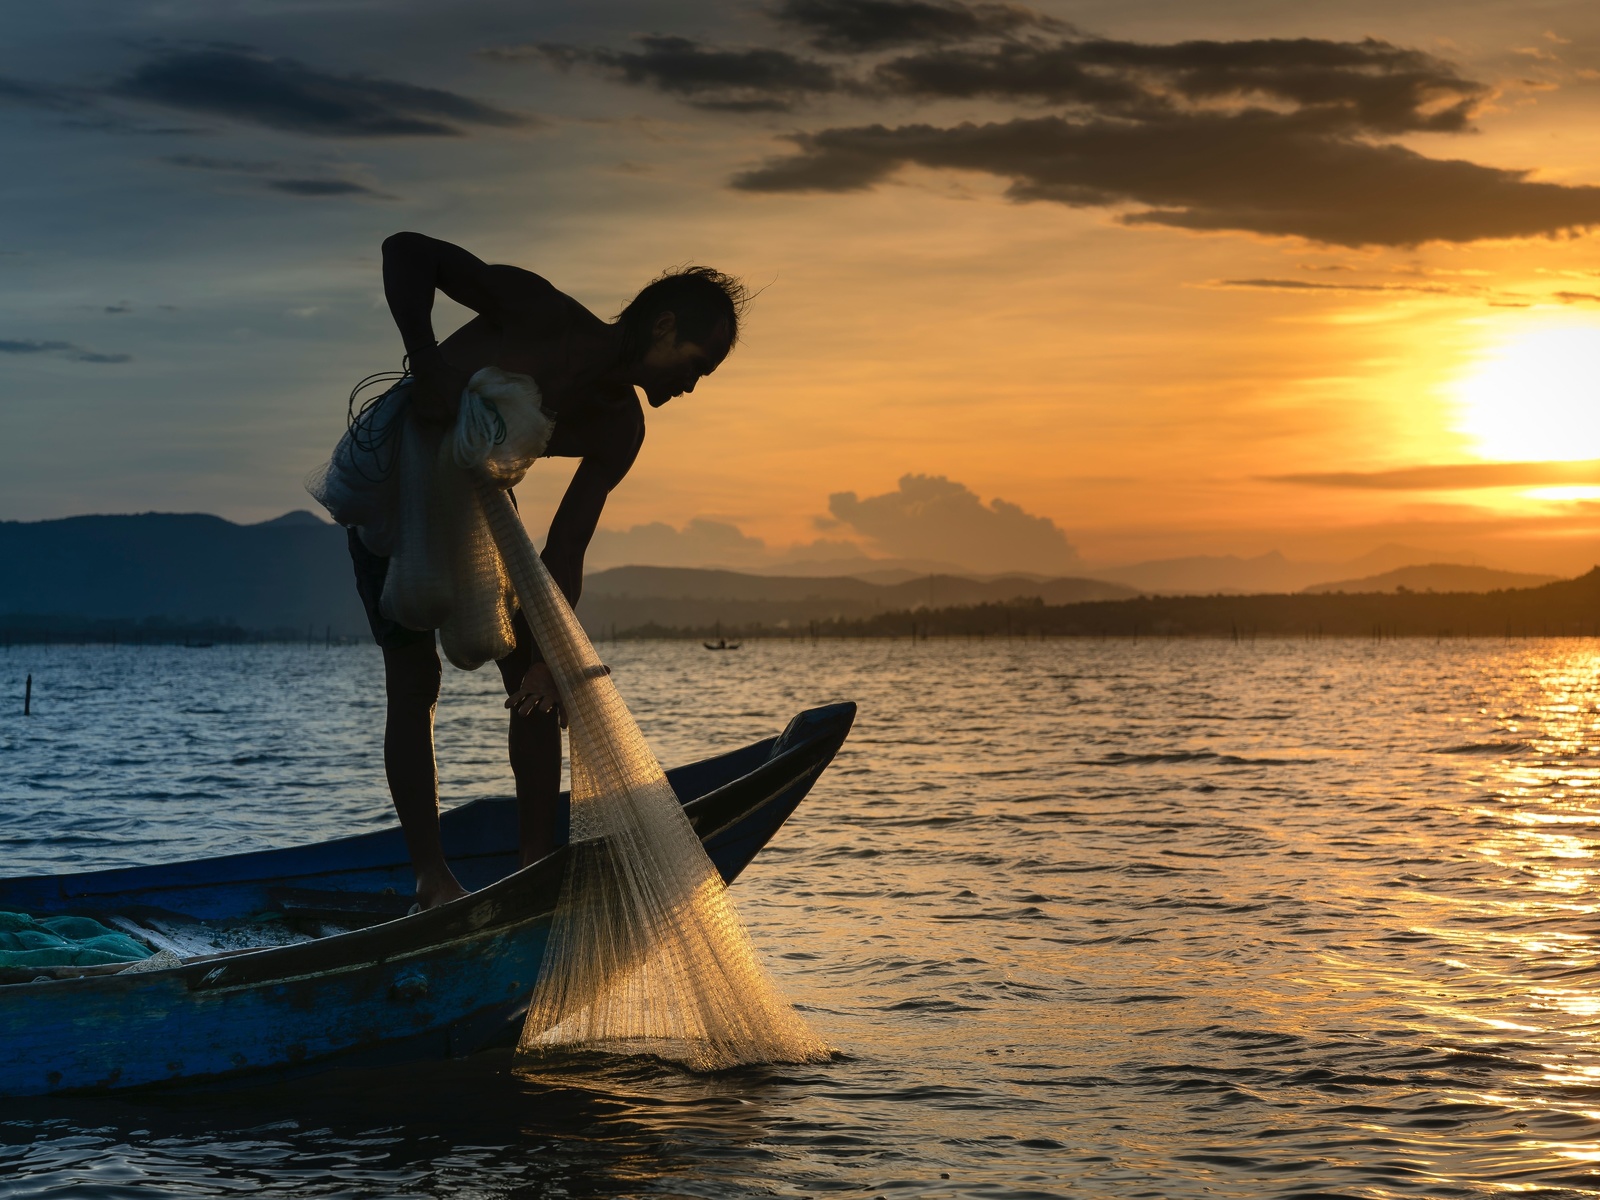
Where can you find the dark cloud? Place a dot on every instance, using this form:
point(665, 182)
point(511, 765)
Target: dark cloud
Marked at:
point(61, 349)
point(1254, 171)
point(283, 94)
point(1303, 285)
point(929, 516)
point(78, 108)
point(312, 187)
point(1017, 70)
point(757, 80)
point(1453, 477)
point(207, 162)
point(1369, 86)
point(1271, 136)
point(324, 187)
point(855, 26)
point(38, 95)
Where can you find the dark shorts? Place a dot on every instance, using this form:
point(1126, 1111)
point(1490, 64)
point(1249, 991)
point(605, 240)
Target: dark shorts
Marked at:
point(371, 570)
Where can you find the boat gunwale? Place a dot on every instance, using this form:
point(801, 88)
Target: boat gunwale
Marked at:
point(71, 884)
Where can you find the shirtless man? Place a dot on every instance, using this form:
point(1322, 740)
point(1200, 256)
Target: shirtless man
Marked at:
point(676, 331)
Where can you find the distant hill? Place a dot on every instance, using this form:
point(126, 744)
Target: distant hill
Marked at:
point(1435, 577)
point(1230, 574)
point(1566, 608)
point(1207, 574)
point(288, 574)
point(874, 570)
point(673, 597)
point(82, 576)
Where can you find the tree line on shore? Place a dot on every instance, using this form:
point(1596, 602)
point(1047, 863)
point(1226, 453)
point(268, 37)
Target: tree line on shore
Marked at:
point(1569, 608)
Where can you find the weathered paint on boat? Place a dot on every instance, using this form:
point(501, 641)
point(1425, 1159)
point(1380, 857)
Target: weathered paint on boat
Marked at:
point(439, 984)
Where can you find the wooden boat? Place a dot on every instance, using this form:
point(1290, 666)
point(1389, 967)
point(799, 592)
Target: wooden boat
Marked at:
point(300, 959)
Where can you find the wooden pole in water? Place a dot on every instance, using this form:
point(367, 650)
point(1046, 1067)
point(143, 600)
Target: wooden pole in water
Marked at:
point(27, 697)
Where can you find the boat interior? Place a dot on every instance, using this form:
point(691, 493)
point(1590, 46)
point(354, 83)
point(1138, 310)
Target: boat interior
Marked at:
point(265, 899)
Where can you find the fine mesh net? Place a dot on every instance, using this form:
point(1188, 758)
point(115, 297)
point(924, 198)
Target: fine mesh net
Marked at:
point(646, 953)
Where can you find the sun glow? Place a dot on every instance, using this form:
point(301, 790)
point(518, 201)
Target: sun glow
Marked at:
point(1564, 493)
point(1535, 396)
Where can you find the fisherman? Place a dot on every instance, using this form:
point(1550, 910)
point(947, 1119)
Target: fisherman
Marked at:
point(676, 331)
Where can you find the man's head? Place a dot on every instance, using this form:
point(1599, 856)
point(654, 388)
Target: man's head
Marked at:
point(680, 327)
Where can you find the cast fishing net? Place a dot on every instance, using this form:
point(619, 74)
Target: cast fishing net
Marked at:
point(646, 952)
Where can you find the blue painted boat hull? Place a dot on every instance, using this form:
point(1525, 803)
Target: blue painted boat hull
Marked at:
point(444, 983)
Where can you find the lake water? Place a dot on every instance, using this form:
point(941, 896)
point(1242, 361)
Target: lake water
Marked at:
point(1085, 918)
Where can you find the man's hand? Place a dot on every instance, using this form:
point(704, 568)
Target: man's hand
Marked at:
point(537, 694)
point(436, 387)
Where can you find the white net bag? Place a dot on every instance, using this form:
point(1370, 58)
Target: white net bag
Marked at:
point(410, 492)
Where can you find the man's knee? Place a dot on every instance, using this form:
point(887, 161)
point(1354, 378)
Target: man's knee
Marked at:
point(412, 676)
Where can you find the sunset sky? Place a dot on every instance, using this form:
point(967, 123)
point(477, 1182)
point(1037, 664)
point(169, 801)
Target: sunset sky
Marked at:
point(1179, 278)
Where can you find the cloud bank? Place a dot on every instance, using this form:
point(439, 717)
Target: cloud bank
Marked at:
point(927, 519)
point(929, 516)
point(700, 543)
point(1268, 136)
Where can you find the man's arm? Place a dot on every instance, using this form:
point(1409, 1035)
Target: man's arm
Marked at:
point(575, 521)
point(574, 524)
point(415, 267)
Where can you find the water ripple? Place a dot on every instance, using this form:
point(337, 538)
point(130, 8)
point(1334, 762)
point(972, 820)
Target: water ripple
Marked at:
point(1093, 918)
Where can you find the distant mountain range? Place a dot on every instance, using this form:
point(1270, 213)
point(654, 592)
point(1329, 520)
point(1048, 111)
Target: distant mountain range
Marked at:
point(1435, 577)
point(291, 577)
point(289, 574)
point(684, 597)
point(1230, 574)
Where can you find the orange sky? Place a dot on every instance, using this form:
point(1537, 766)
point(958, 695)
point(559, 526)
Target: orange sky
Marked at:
point(1109, 379)
point(183, 341)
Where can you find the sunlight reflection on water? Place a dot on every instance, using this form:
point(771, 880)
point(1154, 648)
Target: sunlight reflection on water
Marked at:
point(1086, 917)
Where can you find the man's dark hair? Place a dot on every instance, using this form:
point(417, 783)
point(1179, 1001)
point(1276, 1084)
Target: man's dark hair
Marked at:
point(698, 297)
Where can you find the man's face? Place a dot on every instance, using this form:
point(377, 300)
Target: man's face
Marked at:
point(671, 368)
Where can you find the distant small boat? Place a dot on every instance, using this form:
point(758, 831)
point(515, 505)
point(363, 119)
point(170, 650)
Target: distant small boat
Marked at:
point(721, 643)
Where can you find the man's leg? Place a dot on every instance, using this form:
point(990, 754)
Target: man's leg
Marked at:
point(535, 745)
point(411, 674)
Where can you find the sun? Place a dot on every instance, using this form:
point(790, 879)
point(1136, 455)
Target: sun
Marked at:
point(1534, 396)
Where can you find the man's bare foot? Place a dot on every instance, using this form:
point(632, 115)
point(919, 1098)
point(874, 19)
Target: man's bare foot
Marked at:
point(434, 890)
